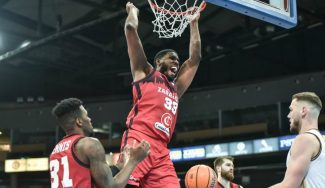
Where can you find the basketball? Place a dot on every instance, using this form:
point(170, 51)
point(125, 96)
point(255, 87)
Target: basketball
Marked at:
point(200, 176)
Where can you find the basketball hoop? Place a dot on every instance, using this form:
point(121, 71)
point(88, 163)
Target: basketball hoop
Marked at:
point(172, 16)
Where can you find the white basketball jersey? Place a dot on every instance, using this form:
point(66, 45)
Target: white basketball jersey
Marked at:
point(315, 176)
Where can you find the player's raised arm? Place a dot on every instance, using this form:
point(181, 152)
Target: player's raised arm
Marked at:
point(138, 60)
point(190, 66)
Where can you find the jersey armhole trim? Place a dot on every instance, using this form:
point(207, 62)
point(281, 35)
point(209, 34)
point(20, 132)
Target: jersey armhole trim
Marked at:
point(145, 78)
point(75, 156)
point(320, 147)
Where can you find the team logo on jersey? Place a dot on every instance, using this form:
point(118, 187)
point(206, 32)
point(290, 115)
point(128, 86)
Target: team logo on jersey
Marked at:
point(166, 122)
point(167, 119)
point(162, 128)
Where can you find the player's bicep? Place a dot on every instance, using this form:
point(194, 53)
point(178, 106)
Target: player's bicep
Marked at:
point(302, 152)
point(185, 76)
point(100, 170)
point(296, 171)
point(138, 60)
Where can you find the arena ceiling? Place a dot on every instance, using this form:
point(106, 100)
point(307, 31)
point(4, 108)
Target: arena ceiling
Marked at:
point(64, 59)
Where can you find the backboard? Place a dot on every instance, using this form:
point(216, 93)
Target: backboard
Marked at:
point(279, 12)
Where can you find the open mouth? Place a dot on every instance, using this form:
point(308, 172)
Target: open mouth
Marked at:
point(174, 69)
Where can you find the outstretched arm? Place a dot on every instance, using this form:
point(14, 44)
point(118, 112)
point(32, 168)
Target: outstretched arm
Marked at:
point(302, 150)
point(100, 170)
point(190, 66)
point(138, 60)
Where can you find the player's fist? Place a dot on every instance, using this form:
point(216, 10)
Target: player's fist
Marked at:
point(139, 151)
point(124, 157)
point(130, 7)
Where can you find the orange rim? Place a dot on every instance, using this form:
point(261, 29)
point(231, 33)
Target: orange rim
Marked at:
point(159, 9)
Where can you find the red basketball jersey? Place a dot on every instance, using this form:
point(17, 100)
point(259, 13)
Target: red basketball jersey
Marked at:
point(66, 169)
point(232, 185)
point(155, 104)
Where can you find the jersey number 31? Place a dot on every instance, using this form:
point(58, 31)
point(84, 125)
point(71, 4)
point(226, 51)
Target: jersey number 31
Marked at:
point(55, 167)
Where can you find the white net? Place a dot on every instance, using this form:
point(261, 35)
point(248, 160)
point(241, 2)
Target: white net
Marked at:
point(172, 16)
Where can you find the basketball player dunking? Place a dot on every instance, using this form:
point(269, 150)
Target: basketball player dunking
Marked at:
point(156, 93)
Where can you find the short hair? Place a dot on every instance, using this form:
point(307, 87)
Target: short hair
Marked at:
point(310, 97)
point(162, 53)
point(66, 110)
point(220, 160)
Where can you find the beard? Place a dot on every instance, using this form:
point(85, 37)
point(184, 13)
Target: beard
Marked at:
point(295, 128)
point(88, 132)
point(164, 70)
point(227, 175)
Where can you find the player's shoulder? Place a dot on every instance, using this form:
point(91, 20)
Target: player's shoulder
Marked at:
point(306, 137)
point(87, 142)
point(144, 75)
point(306, 141)
point(90, 146)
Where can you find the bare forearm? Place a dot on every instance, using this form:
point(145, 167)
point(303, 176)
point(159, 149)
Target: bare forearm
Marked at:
point(102, 175)
point(195, 43)
point(123, 176)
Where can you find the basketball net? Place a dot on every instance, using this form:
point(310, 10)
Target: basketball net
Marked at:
point(172, 17)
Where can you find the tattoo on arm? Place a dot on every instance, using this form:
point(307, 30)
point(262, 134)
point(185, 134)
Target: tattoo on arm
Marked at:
point(100, 170)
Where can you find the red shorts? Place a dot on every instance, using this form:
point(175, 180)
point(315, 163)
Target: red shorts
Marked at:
point(156, 170)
